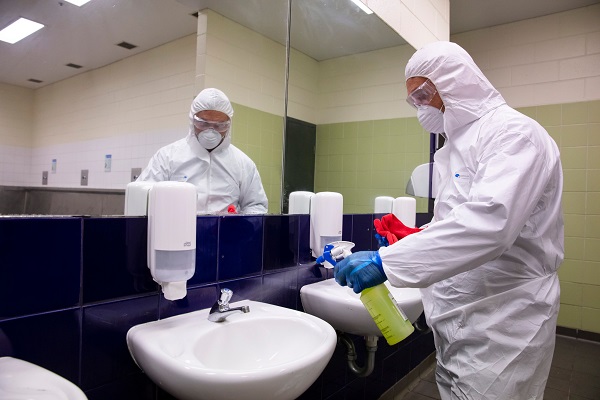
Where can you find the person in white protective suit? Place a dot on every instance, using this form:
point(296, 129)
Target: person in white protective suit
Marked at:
point(223, 175)
point(487, 262)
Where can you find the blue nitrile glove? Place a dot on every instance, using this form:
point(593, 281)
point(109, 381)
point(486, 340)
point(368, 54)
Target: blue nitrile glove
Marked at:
point(360, 270)
point(382, 241)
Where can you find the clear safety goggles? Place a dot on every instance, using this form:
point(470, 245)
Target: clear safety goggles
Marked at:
point(203, 125)
point(422, 95)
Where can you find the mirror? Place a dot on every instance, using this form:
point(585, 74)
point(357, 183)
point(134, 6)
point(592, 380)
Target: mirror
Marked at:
point(128, 108)
point(346, 79)
point(346, 90)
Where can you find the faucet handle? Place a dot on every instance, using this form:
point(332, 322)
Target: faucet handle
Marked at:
point(225, 297)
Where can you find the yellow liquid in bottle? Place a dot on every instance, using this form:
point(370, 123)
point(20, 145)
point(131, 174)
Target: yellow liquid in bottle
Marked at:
point(390, 320)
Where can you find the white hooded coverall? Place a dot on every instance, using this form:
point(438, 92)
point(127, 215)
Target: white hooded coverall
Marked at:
point(225, 176)
point(487, 263)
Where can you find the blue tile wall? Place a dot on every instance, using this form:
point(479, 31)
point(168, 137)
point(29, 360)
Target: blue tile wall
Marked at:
point(240, 246)
point(40, 263)
point(115, 259)
point(73, 287)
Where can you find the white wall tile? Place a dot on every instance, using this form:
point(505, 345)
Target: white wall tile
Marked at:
point(534, 73)
point(559, 92)
point(560, 48)
point(535, 30)
point(580, 67)
point(580, 20)
point(500, 77)
point(592, 88)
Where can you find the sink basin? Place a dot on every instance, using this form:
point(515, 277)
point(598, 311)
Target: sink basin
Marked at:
point(21, 380)
point(342, 308)
point(270, 352)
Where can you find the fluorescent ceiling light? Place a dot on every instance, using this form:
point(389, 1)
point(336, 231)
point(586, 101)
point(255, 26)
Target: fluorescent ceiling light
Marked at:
point(78, 3)
point(18, 30)
point(362, 6)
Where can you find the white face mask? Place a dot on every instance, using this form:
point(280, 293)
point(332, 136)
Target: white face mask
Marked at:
point(431, 119)
point(209, 139)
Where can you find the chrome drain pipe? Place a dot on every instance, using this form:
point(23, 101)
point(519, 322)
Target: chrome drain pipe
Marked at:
point(371, 347)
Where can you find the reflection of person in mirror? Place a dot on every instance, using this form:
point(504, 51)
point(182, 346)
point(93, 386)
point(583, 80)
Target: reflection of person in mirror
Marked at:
point(487, 262)
point(226, 179)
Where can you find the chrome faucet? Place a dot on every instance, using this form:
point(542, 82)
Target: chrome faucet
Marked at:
point(221, 310)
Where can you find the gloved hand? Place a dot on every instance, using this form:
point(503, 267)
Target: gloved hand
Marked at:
point(360, 270)
point(391, 228)
point(382, 241)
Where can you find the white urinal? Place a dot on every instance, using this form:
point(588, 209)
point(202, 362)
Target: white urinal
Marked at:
point(21, 380)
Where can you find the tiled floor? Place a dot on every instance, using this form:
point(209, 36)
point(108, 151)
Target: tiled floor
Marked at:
point(575, 374)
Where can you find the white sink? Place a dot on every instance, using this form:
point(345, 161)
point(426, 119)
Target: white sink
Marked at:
point(342, 308)
point(21, 380)
point(270, 352)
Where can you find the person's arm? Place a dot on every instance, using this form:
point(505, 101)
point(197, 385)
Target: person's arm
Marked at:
point(509, 181)
point(253, 199)
point(157, 169)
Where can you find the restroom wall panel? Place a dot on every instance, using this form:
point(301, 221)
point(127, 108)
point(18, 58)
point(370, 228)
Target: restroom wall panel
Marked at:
point(16, 115)
point(50, 340)
point(115, 259)
point(240, 246)
point(280, 250)
point(207, 230)
point(37, 256)
point(104, 353)
point(135, 386)
point(282, 288)
point(197, 298)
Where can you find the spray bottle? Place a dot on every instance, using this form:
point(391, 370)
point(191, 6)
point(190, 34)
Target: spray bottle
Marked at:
point(378, 300)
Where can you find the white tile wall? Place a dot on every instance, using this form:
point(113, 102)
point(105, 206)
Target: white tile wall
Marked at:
point(244, 64)
point(548, 60)
point(14, 165)
point(418, 21)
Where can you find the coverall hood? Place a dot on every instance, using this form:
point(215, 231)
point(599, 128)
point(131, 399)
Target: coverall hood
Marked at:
point(211, 99)
point(466, 92)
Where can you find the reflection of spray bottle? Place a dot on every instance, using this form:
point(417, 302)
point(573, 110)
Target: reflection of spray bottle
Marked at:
point(378, 300)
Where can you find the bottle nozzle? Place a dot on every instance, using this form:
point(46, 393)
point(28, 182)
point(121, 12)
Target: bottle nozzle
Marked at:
point(334, 252)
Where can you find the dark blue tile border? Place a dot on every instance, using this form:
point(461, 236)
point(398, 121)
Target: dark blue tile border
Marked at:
point(40, 265)
point(49, 340)
point(105, 356)
point(115, 259)
point(240, 246)
point(280, 248)
point(207, 234)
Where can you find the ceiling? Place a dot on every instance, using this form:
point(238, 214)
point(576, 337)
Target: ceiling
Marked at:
point(88, 36)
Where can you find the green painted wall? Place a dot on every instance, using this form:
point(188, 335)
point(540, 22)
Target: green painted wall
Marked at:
point(260, 135)
point(366, 159)
point(576, 129)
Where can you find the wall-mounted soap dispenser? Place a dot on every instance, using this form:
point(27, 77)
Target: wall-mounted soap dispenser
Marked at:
point(299, 202)
point(405, 209)
point(383, 204)
point(326, 216)
point(136, 198)
point(172, 236)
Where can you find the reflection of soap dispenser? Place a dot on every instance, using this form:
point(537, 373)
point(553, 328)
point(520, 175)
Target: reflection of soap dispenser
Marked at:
point(326, 217)
point(136, 198)
point(172, 236)
point(299, 202)
point(378, 300)
point(383, 204)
